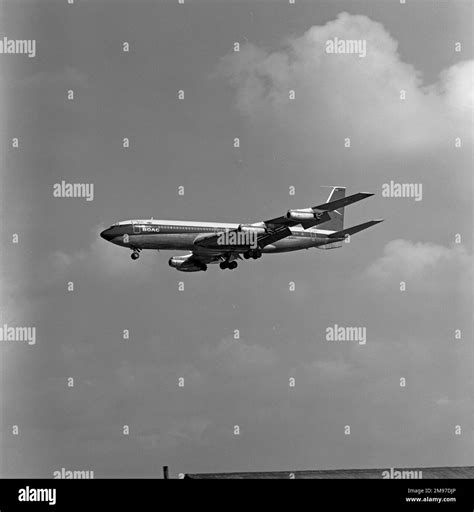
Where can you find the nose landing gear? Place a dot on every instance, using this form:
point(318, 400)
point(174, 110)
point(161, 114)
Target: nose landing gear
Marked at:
point(135, 254)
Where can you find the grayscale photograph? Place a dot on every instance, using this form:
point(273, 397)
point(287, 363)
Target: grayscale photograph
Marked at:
point(237, 243)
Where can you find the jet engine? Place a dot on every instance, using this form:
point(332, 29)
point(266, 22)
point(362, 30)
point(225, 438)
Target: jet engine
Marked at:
point(259, 228)
point(181, 263)
point(303, 214)
point(306, 214)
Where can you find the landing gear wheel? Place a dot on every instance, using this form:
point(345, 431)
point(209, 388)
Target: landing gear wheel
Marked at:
point(253, 253)
point(223, 265)
point(247, 255)
point(134, 256)
point(204, 267)
point(232, 265)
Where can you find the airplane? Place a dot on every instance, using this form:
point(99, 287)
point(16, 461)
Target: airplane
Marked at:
point(224, 243)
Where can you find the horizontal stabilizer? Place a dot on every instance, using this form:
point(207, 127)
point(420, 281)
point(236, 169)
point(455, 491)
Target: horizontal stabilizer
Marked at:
point(354, 229)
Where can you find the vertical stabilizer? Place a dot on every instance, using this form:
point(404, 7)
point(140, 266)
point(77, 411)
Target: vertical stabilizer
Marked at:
point(337, 216)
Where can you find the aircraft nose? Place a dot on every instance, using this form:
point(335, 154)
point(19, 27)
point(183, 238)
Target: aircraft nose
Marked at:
point(106, 235)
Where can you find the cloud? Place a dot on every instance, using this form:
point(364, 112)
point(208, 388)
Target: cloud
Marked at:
point(456, 87)
point(343, 95)
point(428, 267)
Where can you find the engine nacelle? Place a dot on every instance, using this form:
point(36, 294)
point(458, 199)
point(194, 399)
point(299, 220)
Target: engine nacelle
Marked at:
point(179, 263)
point(259, 229)
point(307, 214)
point(303, 214)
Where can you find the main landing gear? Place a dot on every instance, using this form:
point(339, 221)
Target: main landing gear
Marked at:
point(253, 253)
point(135, 254)
point(228, 264)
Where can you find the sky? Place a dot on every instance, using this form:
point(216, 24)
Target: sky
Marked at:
point(291, 392)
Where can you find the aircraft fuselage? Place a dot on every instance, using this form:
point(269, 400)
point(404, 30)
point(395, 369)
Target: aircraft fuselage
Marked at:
point(181, 235)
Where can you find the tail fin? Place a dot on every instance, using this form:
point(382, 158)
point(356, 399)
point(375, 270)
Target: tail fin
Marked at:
point(337, 216)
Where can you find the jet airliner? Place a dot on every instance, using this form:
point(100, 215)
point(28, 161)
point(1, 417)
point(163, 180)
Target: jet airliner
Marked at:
point(225, 243)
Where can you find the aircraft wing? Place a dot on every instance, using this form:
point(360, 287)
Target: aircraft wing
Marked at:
point(269, 235)
point(273, 235)
point(321, 212)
